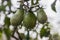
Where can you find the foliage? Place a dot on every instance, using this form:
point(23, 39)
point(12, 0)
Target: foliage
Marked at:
point(53, 6)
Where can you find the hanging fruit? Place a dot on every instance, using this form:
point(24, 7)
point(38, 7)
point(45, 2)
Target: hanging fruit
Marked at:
point(29, 20)
point(17, 17)
point(41, 16)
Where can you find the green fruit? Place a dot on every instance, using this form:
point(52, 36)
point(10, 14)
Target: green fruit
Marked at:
point(41, 16)
point(17, 17)
point(29, 20)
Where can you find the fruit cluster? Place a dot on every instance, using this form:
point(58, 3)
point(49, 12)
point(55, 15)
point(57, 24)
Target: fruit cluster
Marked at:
point(28, 19)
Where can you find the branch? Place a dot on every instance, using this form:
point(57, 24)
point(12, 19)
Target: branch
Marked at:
point(15, 28)
point(19, 35)
point(15, 37)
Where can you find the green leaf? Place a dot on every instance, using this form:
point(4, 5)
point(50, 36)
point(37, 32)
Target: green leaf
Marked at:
point(9, 2)
point(7, 32)
point(7, 21)
point(53, 6)
point(44, 32)
point(2, 8)
point(0, 33)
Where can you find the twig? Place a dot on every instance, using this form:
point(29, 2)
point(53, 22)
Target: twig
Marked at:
point(19, 35)
point(15, 29)
point(15, 37)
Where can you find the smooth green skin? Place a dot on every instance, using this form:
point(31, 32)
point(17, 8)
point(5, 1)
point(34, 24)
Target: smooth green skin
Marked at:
point(17, 17)
point(29, 20)
point(41, 16)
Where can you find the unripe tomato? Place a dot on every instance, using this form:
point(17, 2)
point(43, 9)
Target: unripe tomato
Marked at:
point(41, 16)
point(17, 17)
point(29, 20)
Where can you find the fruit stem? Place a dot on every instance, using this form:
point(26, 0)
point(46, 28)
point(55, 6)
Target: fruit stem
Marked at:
point(27, 35)
point(21, 4)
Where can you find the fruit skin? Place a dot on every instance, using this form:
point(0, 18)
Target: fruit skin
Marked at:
point(29, 20)
point(17, 17)
point(41, 16)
